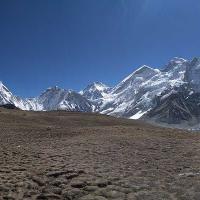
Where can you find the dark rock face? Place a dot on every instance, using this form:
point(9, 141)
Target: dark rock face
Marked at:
point(9, 106)
point(179, 105)
point(192, 74)
point(176, 107)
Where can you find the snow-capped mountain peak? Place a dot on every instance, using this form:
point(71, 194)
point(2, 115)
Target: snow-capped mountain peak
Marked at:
point(3, 88)
point(177, 60)
point(54, 88)
point(175, 63)
point(97, 86)
point(5, 95)
point(135, 79)
point(95, 91)
point(143, 69)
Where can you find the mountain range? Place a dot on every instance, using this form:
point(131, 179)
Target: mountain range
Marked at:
point(169, 96)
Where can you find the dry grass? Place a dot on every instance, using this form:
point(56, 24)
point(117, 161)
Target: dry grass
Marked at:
point(61, 155)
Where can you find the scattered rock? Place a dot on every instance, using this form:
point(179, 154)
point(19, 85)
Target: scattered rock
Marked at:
point(78, 184)
point(41, 197)
point(57, 183)
point(92, 197)
point(48, 197)
point(72, 194)
point(52, 196)
point(71, 175)
point(4, 189)
point(131, 196)
point(91, 188)
point(113, 194)
point(38, 180)
point(54, 190)
point(102, 183)
point(56, 173)
point(8, 198)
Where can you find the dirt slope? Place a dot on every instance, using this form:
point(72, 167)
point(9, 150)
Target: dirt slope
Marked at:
point(60, 155)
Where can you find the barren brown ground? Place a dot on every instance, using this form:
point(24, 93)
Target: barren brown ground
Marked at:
point(74, 156)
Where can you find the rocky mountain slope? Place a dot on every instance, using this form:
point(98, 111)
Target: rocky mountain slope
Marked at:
point(180, 105)
point(168, 95)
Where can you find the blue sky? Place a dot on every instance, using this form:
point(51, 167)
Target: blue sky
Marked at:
point(71, 43)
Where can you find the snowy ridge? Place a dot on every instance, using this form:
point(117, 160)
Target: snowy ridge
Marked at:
point(53, 98)
point(135, 94)
point(95, 91)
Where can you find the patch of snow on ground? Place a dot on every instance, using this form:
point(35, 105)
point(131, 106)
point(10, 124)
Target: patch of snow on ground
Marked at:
point(138, 115)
